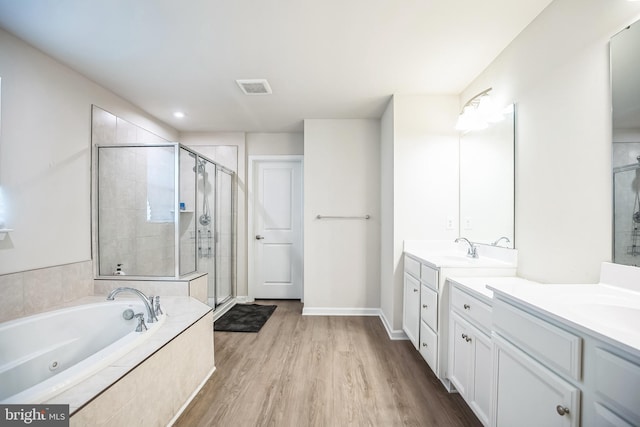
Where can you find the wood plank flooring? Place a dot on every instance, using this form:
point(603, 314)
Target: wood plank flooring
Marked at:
point(321, 371)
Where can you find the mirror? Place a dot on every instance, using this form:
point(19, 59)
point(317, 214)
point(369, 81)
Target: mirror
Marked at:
point(487, 182)
point(625, 89)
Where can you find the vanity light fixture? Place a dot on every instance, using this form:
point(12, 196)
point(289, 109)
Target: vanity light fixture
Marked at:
point(478, 113)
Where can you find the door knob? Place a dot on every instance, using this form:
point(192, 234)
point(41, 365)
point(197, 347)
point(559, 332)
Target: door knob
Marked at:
point(259, 237)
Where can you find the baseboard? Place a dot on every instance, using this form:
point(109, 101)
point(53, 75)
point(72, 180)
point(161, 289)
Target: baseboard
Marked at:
point(191, 397)
point(243, 299)
point(340, 311)
point(393, 334)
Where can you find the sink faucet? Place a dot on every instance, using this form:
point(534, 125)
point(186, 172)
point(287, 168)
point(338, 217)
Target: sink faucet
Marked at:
point(506, 239)
point(151, 316)
point(472, 252)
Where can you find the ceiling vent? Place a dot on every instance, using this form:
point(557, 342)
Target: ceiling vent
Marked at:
point(254, 86)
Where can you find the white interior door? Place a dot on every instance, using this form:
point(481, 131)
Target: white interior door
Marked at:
point(277, 229)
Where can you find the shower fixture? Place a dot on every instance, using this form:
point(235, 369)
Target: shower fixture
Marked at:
point(200, 167)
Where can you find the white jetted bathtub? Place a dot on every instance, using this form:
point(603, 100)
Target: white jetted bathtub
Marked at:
point(44, 354)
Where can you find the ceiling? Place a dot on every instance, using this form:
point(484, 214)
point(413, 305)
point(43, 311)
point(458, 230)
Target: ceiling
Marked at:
point(323, 59)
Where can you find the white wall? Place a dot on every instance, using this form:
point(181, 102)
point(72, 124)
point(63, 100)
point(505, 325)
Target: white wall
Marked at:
point(420, 149)
point(207, 139)
point(342, 177)
point(45, 156)
point(272, 144)
point(557, 72)
point(387, 247)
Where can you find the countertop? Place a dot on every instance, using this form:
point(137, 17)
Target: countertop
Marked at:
point(607, 312)
point(478, 285)
point(448, 254)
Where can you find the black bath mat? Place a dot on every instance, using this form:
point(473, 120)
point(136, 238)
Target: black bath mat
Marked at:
point(244, 318)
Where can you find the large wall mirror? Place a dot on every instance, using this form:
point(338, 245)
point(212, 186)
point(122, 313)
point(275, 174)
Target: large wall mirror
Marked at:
point(625, 88)
point(487, 183)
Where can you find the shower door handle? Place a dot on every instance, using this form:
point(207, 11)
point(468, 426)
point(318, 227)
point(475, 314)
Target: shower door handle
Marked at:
point(259, 237)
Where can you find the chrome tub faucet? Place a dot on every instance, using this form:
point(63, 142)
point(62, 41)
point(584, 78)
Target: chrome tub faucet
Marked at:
point(151, 315)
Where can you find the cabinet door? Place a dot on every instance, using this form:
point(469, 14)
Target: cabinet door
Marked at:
point(460, 352)
point(411, 309)
point(528, 394)
point(480, 387)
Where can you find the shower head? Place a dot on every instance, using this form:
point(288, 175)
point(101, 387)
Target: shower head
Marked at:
point(200, 167)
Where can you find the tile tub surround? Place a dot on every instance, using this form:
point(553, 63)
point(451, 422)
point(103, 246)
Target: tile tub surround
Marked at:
point(194, 285)
point(153, 382)
point(34, 291)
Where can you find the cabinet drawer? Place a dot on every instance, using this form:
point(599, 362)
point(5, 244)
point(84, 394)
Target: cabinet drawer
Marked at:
point(548, 343)
point(412, 267)
point(606, 418)
point(429, 276)
point(429, 346)
point(472, 309)
point(429, 307)
point(617, 383)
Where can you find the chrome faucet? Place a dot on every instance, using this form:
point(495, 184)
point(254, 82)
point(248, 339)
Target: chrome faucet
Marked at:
point(472, 252)
point(151, 315)
point(506, 239)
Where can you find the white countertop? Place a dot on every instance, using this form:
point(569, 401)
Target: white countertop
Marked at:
point(609, 313)
point(478, 285)
point(439, 253)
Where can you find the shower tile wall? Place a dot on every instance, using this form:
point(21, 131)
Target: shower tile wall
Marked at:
point(127, 237)
point(625, 153)
point(144, 246)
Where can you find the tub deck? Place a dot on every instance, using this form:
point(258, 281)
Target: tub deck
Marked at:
point(182, 313)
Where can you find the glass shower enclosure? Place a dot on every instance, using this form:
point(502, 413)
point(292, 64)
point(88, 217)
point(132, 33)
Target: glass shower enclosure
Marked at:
point(164, 212)
point(626, 214)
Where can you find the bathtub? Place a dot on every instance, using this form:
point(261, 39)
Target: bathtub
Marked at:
point(44, 354)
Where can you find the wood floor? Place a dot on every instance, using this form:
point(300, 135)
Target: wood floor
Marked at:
point(321, 371)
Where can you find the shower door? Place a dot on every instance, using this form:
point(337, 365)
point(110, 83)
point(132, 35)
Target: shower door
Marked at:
point(224, 235)
point(205, 224)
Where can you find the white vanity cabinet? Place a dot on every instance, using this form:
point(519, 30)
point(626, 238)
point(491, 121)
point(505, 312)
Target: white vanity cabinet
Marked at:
point(411, 309)
point(534, 362)
point(551, 371)
point(432, 305)
point(470, 361)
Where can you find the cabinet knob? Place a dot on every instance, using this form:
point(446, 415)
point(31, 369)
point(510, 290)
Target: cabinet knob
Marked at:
point(562, 410)
point(464, 336)
point(424, 344)
point(415, 290)
point(466, 306)
point(468, 339)
point(424, 306)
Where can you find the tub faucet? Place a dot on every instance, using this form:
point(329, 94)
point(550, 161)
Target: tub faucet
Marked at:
point(472, 252)
point(151, 316)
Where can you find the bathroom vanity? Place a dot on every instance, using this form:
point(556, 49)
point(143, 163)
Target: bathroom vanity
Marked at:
point(567, 355)
point(470, 325)
point(425, 316)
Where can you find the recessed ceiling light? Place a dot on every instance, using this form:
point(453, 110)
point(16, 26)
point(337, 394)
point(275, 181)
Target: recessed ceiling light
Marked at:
point(254, 86)
point(178, 114)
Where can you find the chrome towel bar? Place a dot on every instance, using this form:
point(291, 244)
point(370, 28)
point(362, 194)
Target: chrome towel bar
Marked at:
point(342, 217)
